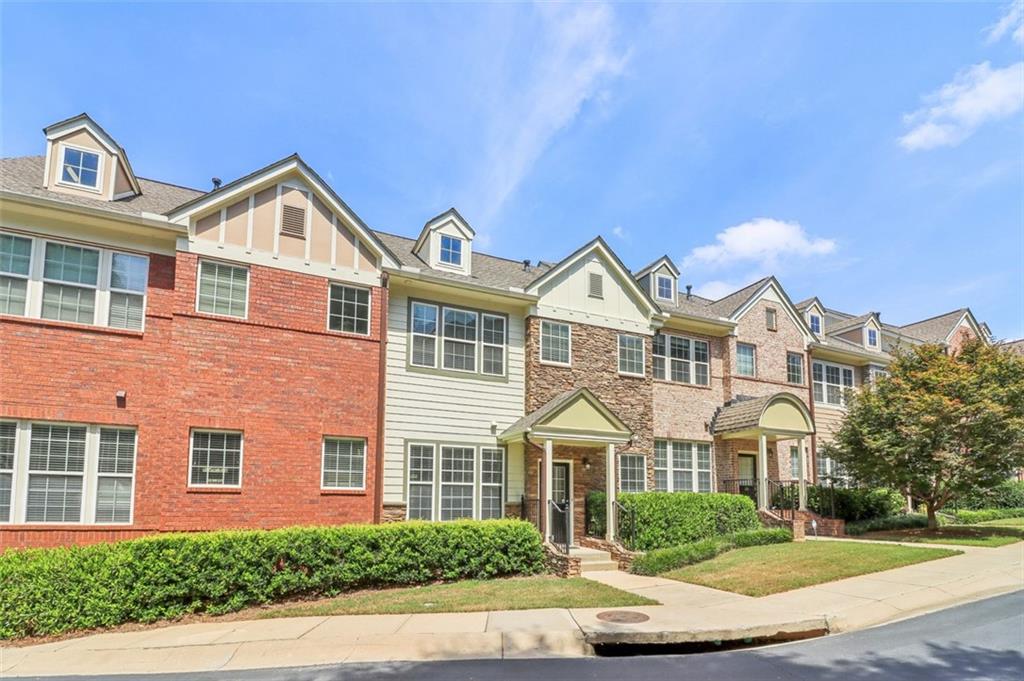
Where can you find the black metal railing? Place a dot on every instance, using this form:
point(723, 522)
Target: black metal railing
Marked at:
point(625, 525)
point(821, 498)
point(745, 486)
point(529, 509)
point(784, 496)
point(561, 531)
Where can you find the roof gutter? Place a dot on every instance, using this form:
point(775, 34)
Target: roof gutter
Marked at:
point(418, 275)
point(875, 359)
point(156, 221)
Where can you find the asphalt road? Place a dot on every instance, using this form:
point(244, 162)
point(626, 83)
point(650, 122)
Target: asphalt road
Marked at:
point(982, 640)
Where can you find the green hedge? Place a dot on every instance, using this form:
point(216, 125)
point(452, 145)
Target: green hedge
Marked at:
point(50, 591)
point(855, 504)
point(986, 514)
point(596, 517)
point(1007, 494)
point(907, 521)
point(659, 561)
point(666, 519)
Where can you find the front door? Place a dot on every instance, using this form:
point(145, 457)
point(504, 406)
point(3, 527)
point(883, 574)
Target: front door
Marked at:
point(561, 494)
point(748, 476)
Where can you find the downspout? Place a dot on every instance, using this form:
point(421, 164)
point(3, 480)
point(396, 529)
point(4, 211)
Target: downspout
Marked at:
point(810, 401)
point(378, 480)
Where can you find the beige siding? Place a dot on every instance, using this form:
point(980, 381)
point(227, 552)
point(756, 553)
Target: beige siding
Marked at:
point(263, 220)
point(209, 227)
point(237, 223)
point(566, 297)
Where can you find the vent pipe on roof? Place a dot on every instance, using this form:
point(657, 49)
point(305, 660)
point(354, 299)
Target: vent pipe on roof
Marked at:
point(526, 265)
point(689, 287)
point(216, 183)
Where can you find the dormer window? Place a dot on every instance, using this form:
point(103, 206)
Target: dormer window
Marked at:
point(815, 322)
point(663, 287)
point(872, 338)
point(80, 168)
point(451, 250)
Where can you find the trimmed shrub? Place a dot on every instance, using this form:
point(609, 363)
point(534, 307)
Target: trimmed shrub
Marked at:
point(984, 515)
point(50, 591)
point(666, 519)
point(855, 503)
point(907, 521)
point(659, 561)
point(596, 518)
point(1007, 494)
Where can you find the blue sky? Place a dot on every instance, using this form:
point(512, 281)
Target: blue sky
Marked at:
point(872, 155)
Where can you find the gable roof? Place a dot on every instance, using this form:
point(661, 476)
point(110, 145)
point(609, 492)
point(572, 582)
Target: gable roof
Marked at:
point(663, 260)
point(728, 305)
point(84, 120)
point(557, 405)
point(451, 213)
point(939, 328)
point(854, 322)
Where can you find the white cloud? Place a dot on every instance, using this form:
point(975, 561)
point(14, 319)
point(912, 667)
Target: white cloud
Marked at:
point(575, 59)
point(764, 241)
point(718, 289)
point(977, 95)
point(619, 232)
point(1012, 22)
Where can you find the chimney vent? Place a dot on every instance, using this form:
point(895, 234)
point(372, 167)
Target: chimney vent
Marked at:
point(526, 265)
point(216, 183)
point(689, 287)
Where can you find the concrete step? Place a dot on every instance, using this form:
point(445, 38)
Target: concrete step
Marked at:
point(599, 566)
point(587, 555)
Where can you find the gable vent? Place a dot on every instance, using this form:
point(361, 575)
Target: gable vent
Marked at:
point(596, 289)
point(293, 221)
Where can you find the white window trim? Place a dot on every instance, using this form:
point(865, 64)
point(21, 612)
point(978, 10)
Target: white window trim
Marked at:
point(35, 281)
point(643, 356)
point(435, 484)
point(434, 336)
point(867, 337)
point(248, 287)
point(433, 480)
point(241, 458)
point(63, 147)
point(790, 353)
point(810, 322)
point(694, 470)
point(643, 478)
point(657, 287)
point(540, 345)
point(439, 340)
point(440, 252)
point(477, 368)
point(692, 362)
point(503, 345)
point(824, 383)
point(331, 283)
point(323, 463)
point(90, 475)
point(503, 486)
point(752, 347)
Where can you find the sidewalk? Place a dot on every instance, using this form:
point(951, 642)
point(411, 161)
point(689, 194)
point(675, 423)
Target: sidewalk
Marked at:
point(687, 613)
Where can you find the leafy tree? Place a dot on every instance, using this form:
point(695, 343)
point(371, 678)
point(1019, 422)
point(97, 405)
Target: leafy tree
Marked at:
point(938, 426)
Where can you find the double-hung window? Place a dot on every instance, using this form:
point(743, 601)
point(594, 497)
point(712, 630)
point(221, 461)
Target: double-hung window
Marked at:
point(631, 355)
point(459, 340)
point(794, 462)
point(344, 464)
point(216, 459)
point(8, 439)
point(128, 277)
point(555, 343)
point(115, 475)
point(421, 482)
point(349, 309)
point(15, 266)
point(223, 289)
point(70, 280)
point(56, 478)
point(831, 381)
point(681, 360)
point(451, 250)
point(746, 361)
point(663, 289)
point(451, 482)
point(493, 345)
point(794, 368)
point(682, 466)
point(80, 168)
point(471, 342)
point(632, 473)
point(424, 335)
point(815, 321)
point(872, 338)
point(492, 483)
point(457, 477)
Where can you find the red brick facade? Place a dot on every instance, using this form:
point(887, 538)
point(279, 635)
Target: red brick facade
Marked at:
point(279, 376)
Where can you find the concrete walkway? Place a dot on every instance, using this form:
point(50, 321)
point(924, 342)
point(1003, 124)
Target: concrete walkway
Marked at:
point(688, 613)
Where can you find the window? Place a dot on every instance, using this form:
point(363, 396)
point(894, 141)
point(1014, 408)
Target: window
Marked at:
point(492, 483)
point(116, 472)
point(349, 309)
point(128, 277)
point(223, 289)
point(451, 250)
point(457, 482)
point(460, 336)
point(815, 323)
point(771, 319)
point(681, 360)
point(216, 459)
point(872, 338)
point(56, 465)
point(70, 276)
point(80, 168)
point(632, 473)
point(745, 360)
point(875, 373)
point(682, 466)
point(344, 464)
point(555, 343)
point(794, 462)
point(631, 355)
point(8, 438)
point(493, 361)
point(830, 471)
point(596, 285)
point(15, 265)
point(424, 335)
point(795, 368)
point(831, 382)
point(421, 482)
point(663, 287)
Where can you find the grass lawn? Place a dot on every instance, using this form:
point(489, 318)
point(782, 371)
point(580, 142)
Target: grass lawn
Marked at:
point(1005, 522)
point(763, 570)
point(520, 593)
point(987, 534)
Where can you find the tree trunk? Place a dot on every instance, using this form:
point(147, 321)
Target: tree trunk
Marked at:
point(933, 522)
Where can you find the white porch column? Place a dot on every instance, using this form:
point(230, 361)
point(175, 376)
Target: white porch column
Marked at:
point(803, 474)
point(762, 472)
point(548, 472)
point(609, 522)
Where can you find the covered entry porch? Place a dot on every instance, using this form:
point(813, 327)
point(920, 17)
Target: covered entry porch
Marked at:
point(748, 433)
point(571, 447)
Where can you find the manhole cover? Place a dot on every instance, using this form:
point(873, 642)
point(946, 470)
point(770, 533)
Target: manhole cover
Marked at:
point(622, 616)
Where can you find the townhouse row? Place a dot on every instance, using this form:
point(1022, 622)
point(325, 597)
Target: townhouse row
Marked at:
point(257, 356)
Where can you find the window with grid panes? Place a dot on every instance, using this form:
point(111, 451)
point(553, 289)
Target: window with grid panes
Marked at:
point(344, 463)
